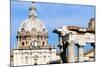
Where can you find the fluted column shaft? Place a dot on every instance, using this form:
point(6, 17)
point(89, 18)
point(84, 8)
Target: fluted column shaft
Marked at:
point(80, 53)
point(71, 52)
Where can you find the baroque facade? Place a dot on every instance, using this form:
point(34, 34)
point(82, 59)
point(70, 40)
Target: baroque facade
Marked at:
point(32, 43)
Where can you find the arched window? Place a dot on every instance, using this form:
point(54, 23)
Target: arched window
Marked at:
point(35, 61)
point(22, 29)
point(44, 58)
point(43, 43)
point(44, 30)
point(22, 43)
point(26, 59)
point(35, 44)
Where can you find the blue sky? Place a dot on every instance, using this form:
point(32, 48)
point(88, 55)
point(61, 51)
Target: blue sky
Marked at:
point(52, 15)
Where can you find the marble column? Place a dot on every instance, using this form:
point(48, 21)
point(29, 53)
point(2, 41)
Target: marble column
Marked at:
point(71, 52)
point(80, 53)
point(60, 42)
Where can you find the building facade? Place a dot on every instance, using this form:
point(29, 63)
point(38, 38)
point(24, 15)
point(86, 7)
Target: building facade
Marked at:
point(32, 43)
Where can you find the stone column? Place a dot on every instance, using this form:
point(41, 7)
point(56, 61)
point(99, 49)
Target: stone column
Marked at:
point(60, 43)
point(60, 40)
point(93, 45)
point(28, 42)
point(19, 43)
point(71, 52)
point(81, 53)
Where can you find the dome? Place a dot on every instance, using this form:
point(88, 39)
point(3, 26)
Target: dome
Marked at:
point(31, 23)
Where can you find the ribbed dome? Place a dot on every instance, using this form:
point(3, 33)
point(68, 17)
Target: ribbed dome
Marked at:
point(31, 23)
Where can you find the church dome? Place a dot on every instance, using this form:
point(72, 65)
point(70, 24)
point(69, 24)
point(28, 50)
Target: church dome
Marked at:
point(32, 22)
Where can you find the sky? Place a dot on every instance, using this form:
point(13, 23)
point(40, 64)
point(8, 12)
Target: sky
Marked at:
point(52, 15)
